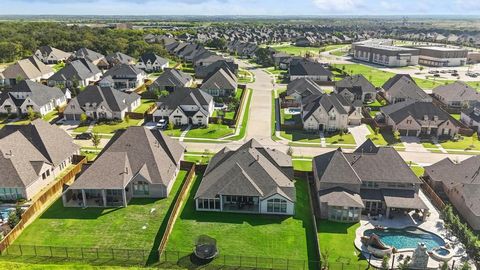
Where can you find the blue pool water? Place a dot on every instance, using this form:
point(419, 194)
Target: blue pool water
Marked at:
point(443, 251)
point(407, 238)
point(4, 212)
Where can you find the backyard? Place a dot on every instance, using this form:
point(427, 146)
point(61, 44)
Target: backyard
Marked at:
point(138, 226)
point(249, 235)
point(336, 245)
point(145, 105)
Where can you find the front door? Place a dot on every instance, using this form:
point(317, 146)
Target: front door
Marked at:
point(320, 127)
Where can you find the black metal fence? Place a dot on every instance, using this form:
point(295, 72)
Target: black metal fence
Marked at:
point(134, 256)
point(179, 259)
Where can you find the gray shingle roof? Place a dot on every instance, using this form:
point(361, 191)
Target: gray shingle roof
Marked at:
point(220, 80)
point(152, 58)
point(304, 87)
point(123, 71)
point(406, 88)
point(356, 83)
point(418, 110)
point(185, 96)
point(29, 68)
point(248, 171)
point(145, 152)
point(106, 96)
point(119, 58)
point(80, 69)
point(328, 101)
point(341, 197)
point(173, 78)
point(84, 53)
point(457, 91)
point(39, 93)
point(307, 68)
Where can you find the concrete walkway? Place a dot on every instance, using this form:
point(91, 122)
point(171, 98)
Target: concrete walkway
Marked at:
point(439, 146)
point(413, 144)
point(323, 142)
point(184, 133)
point(359, 133)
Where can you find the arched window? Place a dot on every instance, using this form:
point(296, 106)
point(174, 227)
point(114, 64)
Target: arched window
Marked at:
point(277, 205)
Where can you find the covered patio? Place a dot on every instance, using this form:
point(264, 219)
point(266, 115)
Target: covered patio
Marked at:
point(95, 198)
point(240, 203)
point(403, 201)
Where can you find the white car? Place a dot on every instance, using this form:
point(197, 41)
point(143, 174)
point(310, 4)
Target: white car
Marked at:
point(162, 124)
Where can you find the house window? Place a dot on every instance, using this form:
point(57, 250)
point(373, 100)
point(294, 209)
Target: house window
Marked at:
point(44, 176)
point(141, 188)
point(212, 204)
point(277, 206)
point(10, 194)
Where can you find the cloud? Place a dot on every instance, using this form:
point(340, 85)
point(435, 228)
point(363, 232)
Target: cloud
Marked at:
point(338, 5)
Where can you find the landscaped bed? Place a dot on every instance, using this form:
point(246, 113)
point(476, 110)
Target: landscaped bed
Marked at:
point(136, 226)
point(250, 235)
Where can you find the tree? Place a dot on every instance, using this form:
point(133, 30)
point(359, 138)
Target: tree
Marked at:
point(290, 151)
point(31, 114)
point(396, 135)
point(474, 139)
point(13, 219)
point(96, 139)
point(340, 134)
point(171, 126)
point(385, 261)
point(444, 266)
point(83, 118)
point(264, 57)
point(465, 266)
point(127, 119)
point(376, 131)
point(421, 68)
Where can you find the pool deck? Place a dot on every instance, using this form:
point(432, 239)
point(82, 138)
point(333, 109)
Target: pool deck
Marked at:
point(432, 224)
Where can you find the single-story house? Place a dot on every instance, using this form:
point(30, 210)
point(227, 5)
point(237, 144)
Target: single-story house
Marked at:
point(222, 83)
point(151, 62)
point(185, 106)
point(309, 70)
point(136, 163)
point(101, 103)
point(402, 87)
point(50, 55)
point(31, 69)
point(457, 95)
point(31, 157)
point(171, 79)
point(417, 118)
point(252, 179)
point(78, 73)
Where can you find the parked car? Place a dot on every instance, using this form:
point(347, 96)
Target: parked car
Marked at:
point(84, 136)
point(162, 124)
point(436, 75)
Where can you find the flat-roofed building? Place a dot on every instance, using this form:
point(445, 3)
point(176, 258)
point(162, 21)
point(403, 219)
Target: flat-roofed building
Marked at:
point(390, 56)
point(442, 56)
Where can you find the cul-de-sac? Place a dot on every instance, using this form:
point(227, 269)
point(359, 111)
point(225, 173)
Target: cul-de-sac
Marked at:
point(312, 134)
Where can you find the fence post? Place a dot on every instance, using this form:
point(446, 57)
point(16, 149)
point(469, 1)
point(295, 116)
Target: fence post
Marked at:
point(51, 253)
point(35, 250)
point(21, 251)
point(288, 262)
point(66, 251)
point(97, 252)
point(113, 254)
point(82, 251)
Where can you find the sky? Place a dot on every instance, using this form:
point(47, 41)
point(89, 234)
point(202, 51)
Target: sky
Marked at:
point(240, 7)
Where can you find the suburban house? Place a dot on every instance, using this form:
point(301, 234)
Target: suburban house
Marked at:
point(206, 58)
point(222, 83)
point(300, 89)
point(31, 69)
point(123, 78)
point(329, 112)
point(201, 72)
point(402, 87)
point(459, 184)
point(50, 55)
point(101, 103)
point(151, 62)
point(309, 70)
point(417, 118)
point(115, 59)
point(28, 95)
point(170, 80)
point(435, 56)
point(185, 106)
point(31, 156)
point(136, 163)
point(87, 54)
point(457, 95)
point(7, 104)
point(471, 116)
point(78, 73)
point(385, 55)
point(372, 180)
point(356, 87)
point(251, 179)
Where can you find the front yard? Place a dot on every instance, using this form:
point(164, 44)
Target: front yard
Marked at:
point(249, 235)
point(463, 143)
point(137, 226)
point(145, 105)
point(213, 131)
point(337, 247)
point(109, 128)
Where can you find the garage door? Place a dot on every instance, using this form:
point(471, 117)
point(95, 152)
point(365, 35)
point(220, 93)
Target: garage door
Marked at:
point(403, 132)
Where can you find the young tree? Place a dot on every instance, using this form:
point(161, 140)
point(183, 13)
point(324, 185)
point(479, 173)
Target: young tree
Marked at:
point(340, 134)
point(12, 219)
point(385, 262)
point(83, 118)
point(290, 151)
point(376, 131)
point(19, 211)
point(170, 126)
point(127, 119)
point(30, 114)
point(96, 139)
point(396, 135)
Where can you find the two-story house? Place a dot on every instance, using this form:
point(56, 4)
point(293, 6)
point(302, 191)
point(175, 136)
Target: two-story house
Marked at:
point(356, 87)
point(78, 73)
point(50, 55)
point(151, 62)
point(123, 78)
point(457, 95)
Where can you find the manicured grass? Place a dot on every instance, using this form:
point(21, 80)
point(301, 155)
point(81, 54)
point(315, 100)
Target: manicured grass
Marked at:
point(245, 76)
point(456, 116)
point(58, 66)
point(176, 132)
point(49, 265)
point(145, 105)
point(336, 139)
point(383, 138)
point(302, 165)
point(20, 122)
point(300, 136)
point(253, 235)
point(50, 116)
point(110, 128)
point(337, 239)
point(137, 226)
point(300, 51)
point(213, 131)
point(417, 169)
point(243, 126)
point(203, 159)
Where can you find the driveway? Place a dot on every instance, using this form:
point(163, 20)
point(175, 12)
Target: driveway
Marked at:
point(359, 133)
point(413, 144)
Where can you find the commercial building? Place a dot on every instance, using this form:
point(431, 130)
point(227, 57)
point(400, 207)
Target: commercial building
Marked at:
point(390, 56)
point(442, 56)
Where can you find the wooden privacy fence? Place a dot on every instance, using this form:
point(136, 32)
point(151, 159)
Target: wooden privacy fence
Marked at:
point(243, 100)
point(432, 195)
point(178, 204)
point(43, 201)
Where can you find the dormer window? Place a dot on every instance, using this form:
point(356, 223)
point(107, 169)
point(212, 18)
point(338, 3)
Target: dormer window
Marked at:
point(425, 117)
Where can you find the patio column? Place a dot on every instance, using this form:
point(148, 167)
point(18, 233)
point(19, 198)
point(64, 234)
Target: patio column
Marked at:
point(124, 196)
point(84, 198)
point(104, 196)
point(221, 202)
point(425, 214)
point(388, 212)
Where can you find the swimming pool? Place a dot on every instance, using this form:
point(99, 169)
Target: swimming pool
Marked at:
point(407, 238)
point(4, 212)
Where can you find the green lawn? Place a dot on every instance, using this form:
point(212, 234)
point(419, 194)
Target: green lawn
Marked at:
point(417, 169)
point(337, 239)
point(383, 138)
point(28, 263)
point(301, 51)
point(213, 131)
point(203, 159)
point(300, 136)
point(20, 122)
point(464, 143)
point(243, 125)
point(145, 105)
point(239, 234)
point(336, 139)
point(456, 116)
point(137, 226)
point(50, 116)
point(245, 76)
point(302, 165)
point(109, 128)
point(58, 66)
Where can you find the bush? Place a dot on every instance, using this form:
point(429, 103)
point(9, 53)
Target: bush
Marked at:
point(13, 219)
